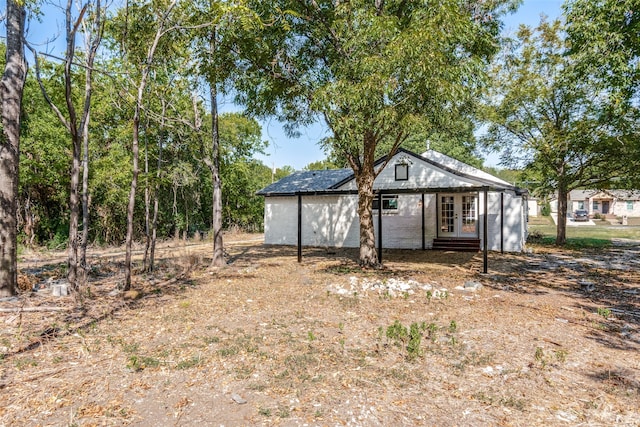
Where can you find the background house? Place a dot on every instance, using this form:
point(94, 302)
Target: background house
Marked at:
point(609, 203)
point(424, 200)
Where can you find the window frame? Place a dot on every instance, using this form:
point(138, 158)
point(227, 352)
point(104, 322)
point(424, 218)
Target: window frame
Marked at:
point(387, 206)
point(403, 168)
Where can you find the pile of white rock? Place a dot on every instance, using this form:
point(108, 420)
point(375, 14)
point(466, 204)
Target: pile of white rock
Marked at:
point(391, 287)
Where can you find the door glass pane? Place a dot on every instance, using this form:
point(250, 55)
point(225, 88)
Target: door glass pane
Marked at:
point(469, 214)
point(447, 214)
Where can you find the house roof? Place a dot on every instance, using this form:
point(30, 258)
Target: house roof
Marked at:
point(307, 182)
point(329, 181)
point(578, 195)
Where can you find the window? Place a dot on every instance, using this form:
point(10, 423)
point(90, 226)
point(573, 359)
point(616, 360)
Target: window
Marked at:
point(596, 205)
point(388, 203)
point(402, 172)
point(629, 205)
point(581, 205)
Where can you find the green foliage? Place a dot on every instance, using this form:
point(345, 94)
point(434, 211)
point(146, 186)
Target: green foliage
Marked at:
point(565, 130)
point(409, 339)
point(321, 165)
point(545, 210)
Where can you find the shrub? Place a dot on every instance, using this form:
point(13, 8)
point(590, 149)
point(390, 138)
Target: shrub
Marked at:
point(545, 210)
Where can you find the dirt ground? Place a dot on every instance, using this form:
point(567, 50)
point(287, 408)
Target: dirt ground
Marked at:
point(551, 338)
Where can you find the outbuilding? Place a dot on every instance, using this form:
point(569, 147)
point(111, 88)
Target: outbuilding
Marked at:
point(428, 201)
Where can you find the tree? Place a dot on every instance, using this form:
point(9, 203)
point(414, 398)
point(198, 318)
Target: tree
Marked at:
point(156, 25)
point(215, 34)
point(373, 71)
point(561, 128)
point(11, 89)
point(604, 39)
point(78, 129)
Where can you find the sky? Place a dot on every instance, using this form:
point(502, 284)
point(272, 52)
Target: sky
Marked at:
point(282, 150)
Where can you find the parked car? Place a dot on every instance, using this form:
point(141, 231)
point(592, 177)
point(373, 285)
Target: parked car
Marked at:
point(581, 215)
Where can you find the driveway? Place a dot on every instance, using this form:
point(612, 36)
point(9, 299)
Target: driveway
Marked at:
point(570, 221)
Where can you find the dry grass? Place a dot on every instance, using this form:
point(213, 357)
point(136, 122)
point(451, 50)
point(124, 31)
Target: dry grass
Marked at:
point(532, 347)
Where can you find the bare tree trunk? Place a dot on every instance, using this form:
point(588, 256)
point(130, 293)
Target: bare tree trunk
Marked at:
point(76, 149)
point(11, 89)
point(132, 191)
point(135, 144)
point(147, 202)
point(156, 190)
point(214, 165)
point(93, 38)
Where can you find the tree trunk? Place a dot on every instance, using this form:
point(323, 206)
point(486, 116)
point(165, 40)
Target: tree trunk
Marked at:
point(154, 222)
point(76, 148)
point(11, 89)
point(84, 241)
point(135, 145)
point(218, 250)
point(561, 229)
point(147, 209)
point(74, 214)
point(132, 194)
point(365, 177)
point(94, 36)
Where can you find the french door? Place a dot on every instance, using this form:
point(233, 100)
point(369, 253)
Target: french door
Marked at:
point(458, 216)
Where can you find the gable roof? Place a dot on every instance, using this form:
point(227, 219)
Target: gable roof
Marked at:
point(579, 195)
point(330, 181)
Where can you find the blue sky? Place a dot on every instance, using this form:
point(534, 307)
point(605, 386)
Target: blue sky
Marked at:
point(295, 152)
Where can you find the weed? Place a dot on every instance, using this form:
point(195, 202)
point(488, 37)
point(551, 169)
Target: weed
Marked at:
point(341, 327)
point(20, 364)
point(189, 363)
point(512, 402)
point(453, 326)
point(398, 333)
point(266, 412)
point(283, 412)
point(138, 363)
point(408, 339)
point(561, 355)
point(311, 336)
point(130, 348)
point(210, 340)
point(244, 372)
point(256, 386)
point(604, 312)
point(415, 338)
point(432, 330)
point(539, 356)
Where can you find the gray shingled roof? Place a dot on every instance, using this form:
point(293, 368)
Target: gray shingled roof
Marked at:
point(618, 194)
point(306, 182)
